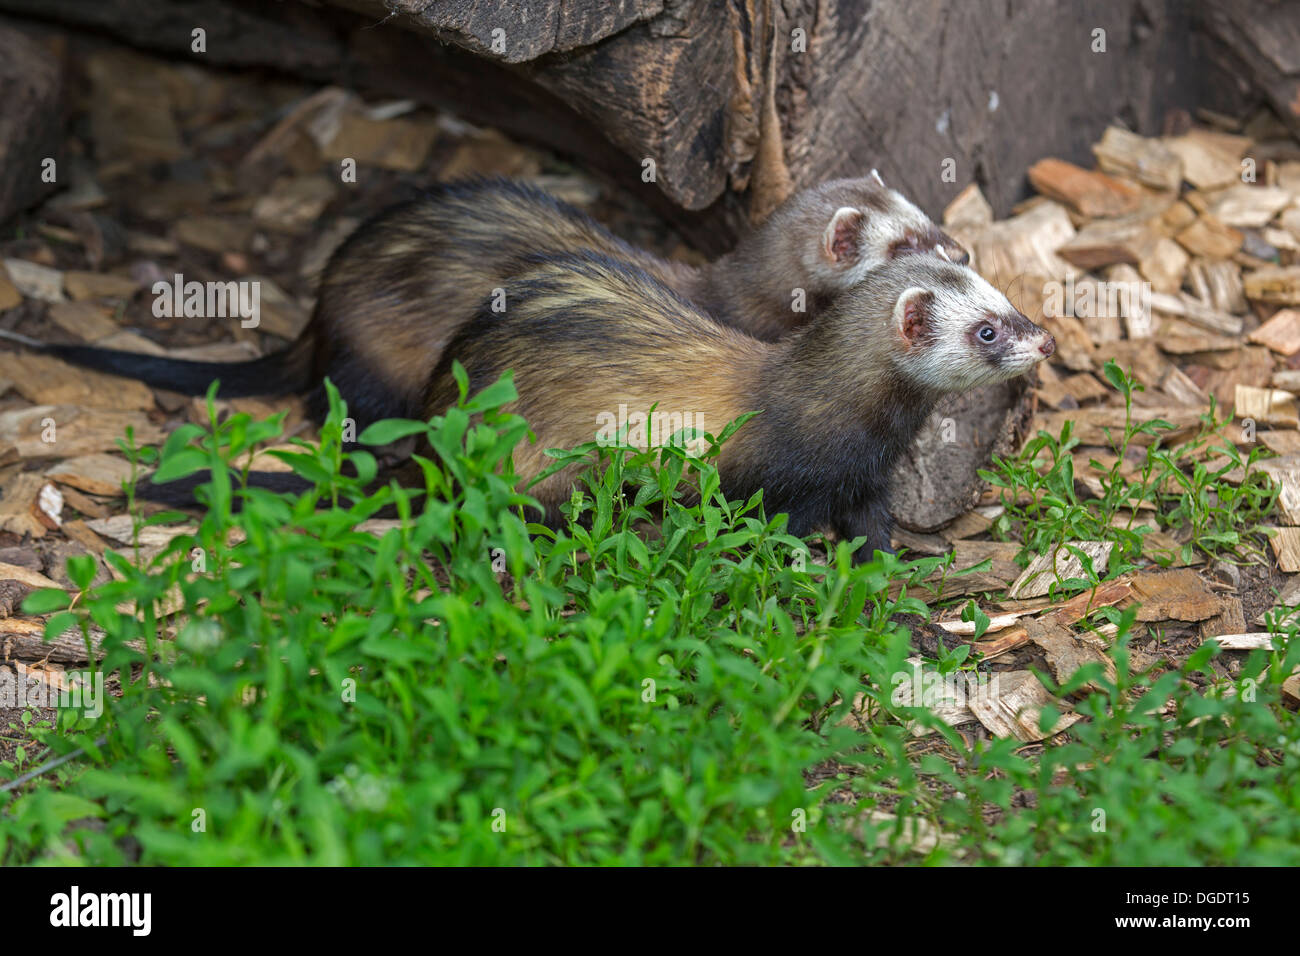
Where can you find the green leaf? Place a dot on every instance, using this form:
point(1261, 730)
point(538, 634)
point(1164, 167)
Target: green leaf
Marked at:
point(390, 430)
point(1115, 375)
point(81, 570)
point(182, 463)
point(46, 600)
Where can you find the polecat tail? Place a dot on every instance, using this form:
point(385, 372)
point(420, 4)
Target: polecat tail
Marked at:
point(180, 493)
point(280, 373)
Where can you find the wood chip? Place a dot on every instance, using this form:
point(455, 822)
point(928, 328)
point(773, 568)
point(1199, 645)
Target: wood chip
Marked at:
point(80, 532)
point(1285, 472)
point(33, 579)
point(1071, 612)
point(917, 835)
point(20, 508)
point(1180, 388)
point(1067, 651)
point(1209, 159)
point(216, 352)
point(1049, 391)
point(1276, 284)
point(1281, 333)
point(1049, 569)
point(1177, 595)
point(1125, 154)
point(1281, 238)
point(1164, 264)
point(96, 474)
point(214, 234)
point(1189, 309)
point(945, 697)
point(119, 528)
point(1248, 206)
point(83, 504)
point(279, 314)
point(294, 205)
point(1074, 347)
point(997, 622)
point(9, 294)
point(1090, 193)
point(1280, 442)
point(489, 153)
point(1253, 640)
point(1218, 284)
point(1285, 543)
point(59, 431)
point(976, 521)
point(401, 144)
point(1210, 238)
point(968, 554)
point(1105, 242)
point(131, 109)
point(1084, 388)
point(49, 381)
point(35, 281)
point(1014, 706)
point(85, 320)
point(1190, 344)
point(98, 285)
point(1176, 218)
point(1142, 357)
point(1253, 364)
point(23, 639)
point(1269, 406)
point(130, 342)
point(1290, 221)
point(1025, 245)
point(1291, 689)
point(969, 209)
point(1230, 620)
point(914, 542)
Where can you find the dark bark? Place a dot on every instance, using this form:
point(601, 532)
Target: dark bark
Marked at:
point(31, 122)
point(1260, 42)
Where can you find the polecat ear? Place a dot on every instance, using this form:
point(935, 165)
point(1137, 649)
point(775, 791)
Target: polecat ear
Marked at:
point(954, 250)
point(840, 241)
point(912, 314)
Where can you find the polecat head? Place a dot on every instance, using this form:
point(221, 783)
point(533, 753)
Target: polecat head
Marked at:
point(948, 329)
point(859, 225)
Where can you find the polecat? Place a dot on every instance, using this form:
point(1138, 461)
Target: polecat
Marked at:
point(840, 400)
point(401, 286)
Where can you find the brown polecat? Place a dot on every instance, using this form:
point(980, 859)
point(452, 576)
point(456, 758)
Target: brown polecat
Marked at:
point(588, 335)
point(401, 286)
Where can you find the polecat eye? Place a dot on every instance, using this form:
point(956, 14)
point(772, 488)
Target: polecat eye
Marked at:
point(909, 243)
point(987, 333)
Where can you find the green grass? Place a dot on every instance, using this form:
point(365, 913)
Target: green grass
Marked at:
point(1188, 497)
point(337, 696)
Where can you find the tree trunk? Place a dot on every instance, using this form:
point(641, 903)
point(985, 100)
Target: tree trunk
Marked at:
point(31, 125)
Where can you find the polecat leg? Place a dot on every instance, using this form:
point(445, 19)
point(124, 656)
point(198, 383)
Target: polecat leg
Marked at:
point(872, 520)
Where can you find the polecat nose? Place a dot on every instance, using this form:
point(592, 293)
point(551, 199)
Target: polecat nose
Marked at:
point(1048, 345)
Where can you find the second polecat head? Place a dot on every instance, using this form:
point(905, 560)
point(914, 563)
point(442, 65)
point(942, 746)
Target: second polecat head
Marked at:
point(857, 225)
point(940, 326)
